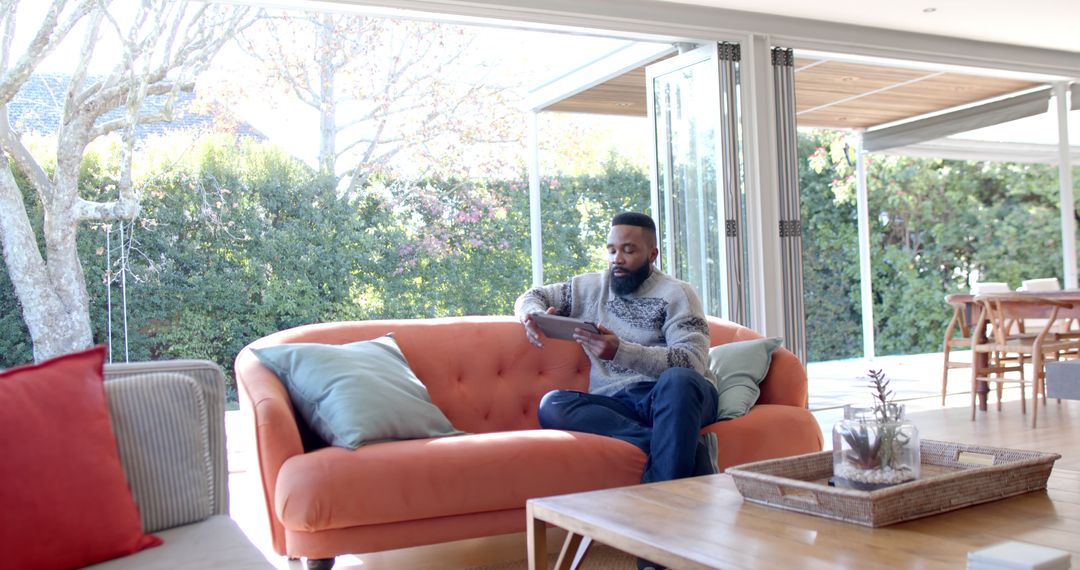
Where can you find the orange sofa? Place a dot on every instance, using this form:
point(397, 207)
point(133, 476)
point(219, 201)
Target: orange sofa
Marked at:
point(487, 379)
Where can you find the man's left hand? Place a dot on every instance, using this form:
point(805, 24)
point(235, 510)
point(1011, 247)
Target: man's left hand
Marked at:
point(603, 345)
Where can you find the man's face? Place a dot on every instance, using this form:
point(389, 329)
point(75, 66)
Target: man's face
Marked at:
point(631, 252)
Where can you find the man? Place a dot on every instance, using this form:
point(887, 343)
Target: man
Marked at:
point(647, 383)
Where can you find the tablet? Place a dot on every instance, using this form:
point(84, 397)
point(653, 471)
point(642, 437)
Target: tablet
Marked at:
point(554, 326)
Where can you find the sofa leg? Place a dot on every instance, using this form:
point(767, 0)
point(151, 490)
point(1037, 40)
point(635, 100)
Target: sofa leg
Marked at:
point(320, 564)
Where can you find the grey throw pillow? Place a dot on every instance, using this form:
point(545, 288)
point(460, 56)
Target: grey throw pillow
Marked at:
point(358, 393)
point(739, 367)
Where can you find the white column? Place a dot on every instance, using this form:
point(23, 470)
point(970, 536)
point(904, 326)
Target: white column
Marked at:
point(764, 275)
point(1065, 184)
point(534, 200)
point(866, 289)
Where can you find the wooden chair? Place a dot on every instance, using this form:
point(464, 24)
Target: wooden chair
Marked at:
point(1062, 328)
point(960, 320)
point(990, 336)
point(1039, 286)
point(984, 287)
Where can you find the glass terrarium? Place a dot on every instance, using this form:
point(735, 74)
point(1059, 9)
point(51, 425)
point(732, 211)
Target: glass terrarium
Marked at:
point(875, 447)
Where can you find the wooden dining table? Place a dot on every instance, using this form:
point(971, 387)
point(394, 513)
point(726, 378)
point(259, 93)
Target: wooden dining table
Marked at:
point(971, 314)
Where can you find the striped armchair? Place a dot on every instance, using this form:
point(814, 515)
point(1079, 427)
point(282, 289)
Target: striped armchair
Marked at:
point(169, 420)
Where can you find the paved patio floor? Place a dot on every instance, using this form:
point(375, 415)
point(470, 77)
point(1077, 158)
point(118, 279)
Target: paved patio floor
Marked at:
point(838, 382)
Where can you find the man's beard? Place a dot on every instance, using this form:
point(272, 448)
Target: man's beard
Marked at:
point(630, 282)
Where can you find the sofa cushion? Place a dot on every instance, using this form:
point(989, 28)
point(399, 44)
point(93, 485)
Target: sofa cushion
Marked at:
point(66, 501)
point(767, 431)
point(216, 542)
point(162, 432)
point(420, 479)
point(739, 367)
point(358, 393)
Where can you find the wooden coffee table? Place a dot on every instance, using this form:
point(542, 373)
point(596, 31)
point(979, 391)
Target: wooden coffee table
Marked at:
point(703, 522)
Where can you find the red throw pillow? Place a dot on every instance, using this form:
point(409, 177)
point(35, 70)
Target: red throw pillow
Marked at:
point(65, 499)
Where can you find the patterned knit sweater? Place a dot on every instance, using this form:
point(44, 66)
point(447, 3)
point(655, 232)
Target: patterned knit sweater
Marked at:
point(660, 326)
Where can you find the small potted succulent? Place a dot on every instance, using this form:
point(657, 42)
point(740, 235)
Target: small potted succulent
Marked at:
point(876, 446)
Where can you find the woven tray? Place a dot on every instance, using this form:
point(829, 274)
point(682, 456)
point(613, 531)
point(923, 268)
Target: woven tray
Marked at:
point(954, 476)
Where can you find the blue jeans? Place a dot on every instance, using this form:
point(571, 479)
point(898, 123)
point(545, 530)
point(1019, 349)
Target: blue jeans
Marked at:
point(661, 418)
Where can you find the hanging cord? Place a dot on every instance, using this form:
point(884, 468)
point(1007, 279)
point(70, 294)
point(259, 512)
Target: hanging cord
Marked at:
point(108, 288)
point(119, 273)
point(124, 246)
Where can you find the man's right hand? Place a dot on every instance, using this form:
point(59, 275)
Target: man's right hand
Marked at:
point(531, 331)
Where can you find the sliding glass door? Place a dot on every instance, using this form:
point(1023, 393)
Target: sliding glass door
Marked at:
point(696, 197)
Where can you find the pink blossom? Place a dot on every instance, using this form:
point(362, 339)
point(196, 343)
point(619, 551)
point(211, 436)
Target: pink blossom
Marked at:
point(468, 217)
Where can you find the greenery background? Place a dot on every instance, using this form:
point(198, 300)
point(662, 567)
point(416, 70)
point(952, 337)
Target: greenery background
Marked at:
point(237, 239)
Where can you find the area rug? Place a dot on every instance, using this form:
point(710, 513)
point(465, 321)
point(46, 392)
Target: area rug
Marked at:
point(601, 557)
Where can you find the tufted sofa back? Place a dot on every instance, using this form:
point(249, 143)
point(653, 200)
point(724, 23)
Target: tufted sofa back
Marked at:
point(480, 371)
point(485, 376)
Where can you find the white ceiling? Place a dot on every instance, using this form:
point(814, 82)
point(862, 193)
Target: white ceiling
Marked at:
point(1052, 24)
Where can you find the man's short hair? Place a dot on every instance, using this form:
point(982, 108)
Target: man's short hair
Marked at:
point(634, 219)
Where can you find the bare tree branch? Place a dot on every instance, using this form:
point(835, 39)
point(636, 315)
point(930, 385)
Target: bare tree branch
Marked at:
point(86, 210)
point(10, 143)
point(382, 89)
point(78, 77)
point(7, 19)
point(102, 129)
point(48, 36)
point(373, 142)
point(300, 89)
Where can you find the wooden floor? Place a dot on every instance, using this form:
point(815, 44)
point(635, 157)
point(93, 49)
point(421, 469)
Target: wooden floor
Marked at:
point(1058, 431)
point(1059, 426)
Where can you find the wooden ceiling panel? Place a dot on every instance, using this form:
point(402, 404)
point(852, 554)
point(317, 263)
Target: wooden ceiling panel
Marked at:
point(832, 82)
point(941, 91)
point(829, 94)
point(951, 90)
point(849, 118)
point(622, 95)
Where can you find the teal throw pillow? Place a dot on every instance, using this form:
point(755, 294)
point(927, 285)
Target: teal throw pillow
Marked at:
point(358, 393)
point(739, 367)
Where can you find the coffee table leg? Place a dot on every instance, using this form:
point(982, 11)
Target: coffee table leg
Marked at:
point(573, 551)
point(536, 531)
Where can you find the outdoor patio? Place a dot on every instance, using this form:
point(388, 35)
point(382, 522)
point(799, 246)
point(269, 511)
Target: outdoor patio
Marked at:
point(914, 378)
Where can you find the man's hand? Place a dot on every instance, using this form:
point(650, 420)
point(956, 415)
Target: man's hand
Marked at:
point(603, 345)
point(531, 332)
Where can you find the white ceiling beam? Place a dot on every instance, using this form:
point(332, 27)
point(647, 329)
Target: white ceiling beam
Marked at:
point(970, 149)
point(626, 58)
point(917, 65)
point(961, 120)
point(678, 22)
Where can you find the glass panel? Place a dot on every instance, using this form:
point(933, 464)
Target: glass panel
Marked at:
point(686, 107)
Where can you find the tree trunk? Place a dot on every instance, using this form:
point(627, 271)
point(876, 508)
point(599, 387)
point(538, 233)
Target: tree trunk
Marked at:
point(327, 103)
point(53, 295)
